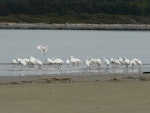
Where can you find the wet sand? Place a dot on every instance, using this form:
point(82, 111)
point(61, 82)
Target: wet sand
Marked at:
point(91, 93)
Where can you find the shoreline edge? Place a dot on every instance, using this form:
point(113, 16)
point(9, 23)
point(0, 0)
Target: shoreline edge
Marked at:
point(75, 26)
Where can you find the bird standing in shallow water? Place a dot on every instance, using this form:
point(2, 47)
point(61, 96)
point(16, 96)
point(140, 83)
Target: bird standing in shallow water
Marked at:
point(106, 61)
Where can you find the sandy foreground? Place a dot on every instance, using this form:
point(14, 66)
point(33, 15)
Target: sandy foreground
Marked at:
point(91, 93)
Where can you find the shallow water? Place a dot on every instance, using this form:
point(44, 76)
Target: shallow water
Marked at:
point(65, 43)
point(18, 70)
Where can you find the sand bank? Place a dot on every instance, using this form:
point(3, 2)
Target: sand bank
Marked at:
point(104, 96)
point(75, 26)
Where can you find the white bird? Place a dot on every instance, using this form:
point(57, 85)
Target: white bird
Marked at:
point(90, 61)
point(14, 61)
point(126, 61)
point(21, 61)
point(121, 60)
point(99, 62)
point(133, 62)
point(74, 61)
point(26, 60)
point(58, 61)
point(67, 62)
point(139, 62)
point(87, 62)
point(38, 62)
point(112, 61)
point(50, 61)
point(117, 62)
point(95, 61)
point(32, 60)
point(106, 61)
point(55, 61)
point(42, 48)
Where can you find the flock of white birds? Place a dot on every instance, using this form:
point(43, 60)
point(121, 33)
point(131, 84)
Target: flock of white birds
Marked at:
point(74, 62)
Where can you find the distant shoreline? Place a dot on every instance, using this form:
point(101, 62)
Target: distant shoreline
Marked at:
point(75, 26)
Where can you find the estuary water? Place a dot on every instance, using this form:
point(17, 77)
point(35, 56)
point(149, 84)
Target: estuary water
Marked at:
point(78, 43)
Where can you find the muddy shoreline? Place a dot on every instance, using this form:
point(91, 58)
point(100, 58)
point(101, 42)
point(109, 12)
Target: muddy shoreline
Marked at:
point(67, 78)
point(74, 26)
point(117, 93)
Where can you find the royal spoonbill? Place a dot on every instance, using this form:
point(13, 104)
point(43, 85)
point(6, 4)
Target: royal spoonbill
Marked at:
point(43, 48)
point(106, 62)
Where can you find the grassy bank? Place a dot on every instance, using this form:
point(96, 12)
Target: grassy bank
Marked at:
point(74, 18)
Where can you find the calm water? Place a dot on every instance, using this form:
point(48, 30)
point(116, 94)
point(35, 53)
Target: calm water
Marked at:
point(78, 43)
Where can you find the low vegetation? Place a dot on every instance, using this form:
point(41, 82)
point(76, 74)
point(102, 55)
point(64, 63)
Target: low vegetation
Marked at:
point(75, 11)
